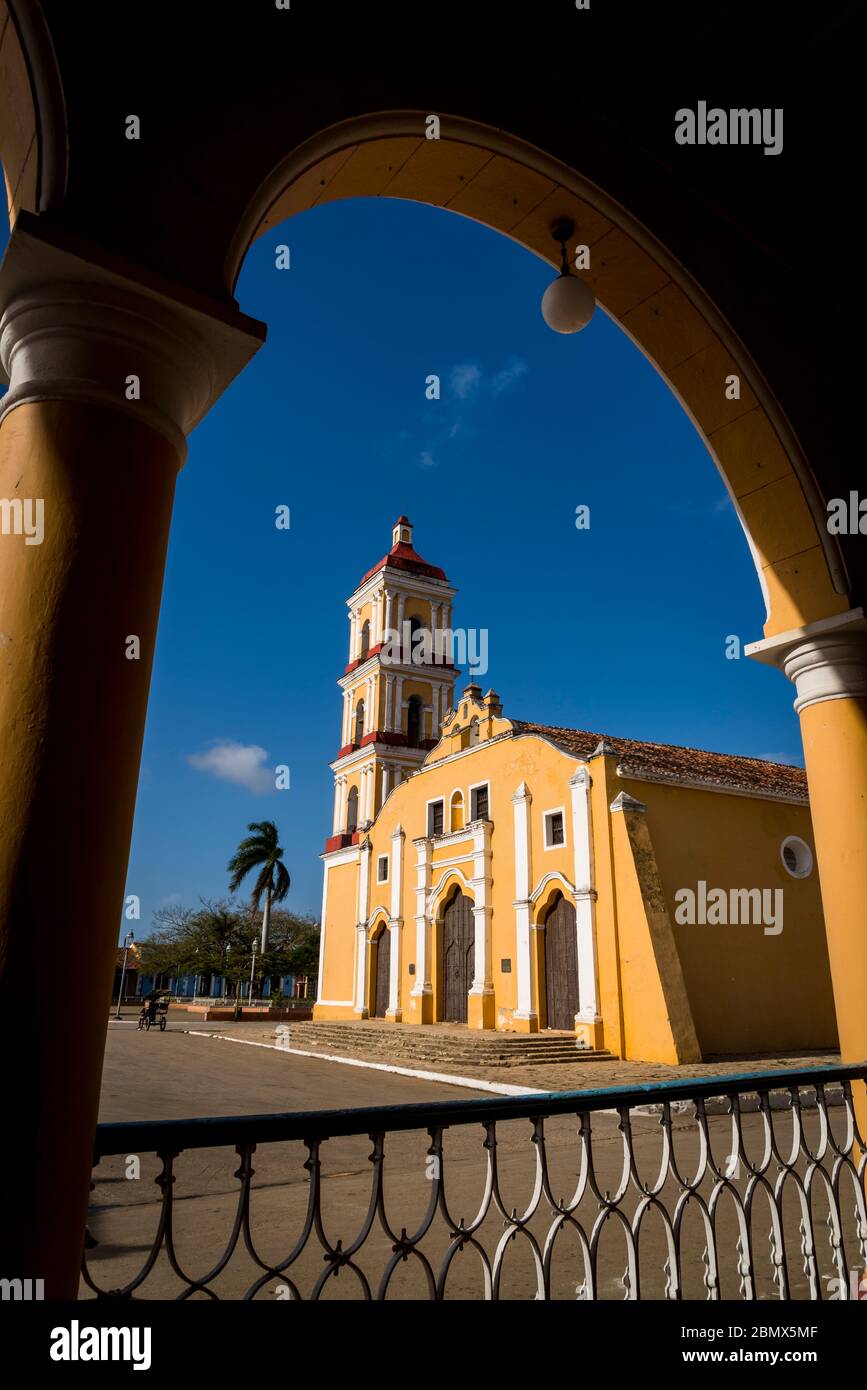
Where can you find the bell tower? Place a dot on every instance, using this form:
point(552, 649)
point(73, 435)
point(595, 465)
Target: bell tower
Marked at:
point(397, 685)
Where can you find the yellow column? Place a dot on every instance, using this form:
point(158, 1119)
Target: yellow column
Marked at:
point(828, 663)
point(105, 381)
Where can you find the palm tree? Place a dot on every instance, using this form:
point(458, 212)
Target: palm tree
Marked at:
point(261, 851)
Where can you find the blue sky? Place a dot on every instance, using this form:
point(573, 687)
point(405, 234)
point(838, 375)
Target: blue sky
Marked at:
point(620, 629)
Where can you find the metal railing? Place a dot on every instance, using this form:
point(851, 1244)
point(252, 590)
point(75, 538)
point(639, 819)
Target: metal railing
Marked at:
point(734, 1186)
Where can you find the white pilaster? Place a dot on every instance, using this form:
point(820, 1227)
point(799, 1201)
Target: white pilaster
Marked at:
point(422, 920)
point(395, 923)
point(585, 897)
point(483, 980)
point(523, 880)
point(361, 951)
point(369, 705)
point(398, 704)
point(389, 702)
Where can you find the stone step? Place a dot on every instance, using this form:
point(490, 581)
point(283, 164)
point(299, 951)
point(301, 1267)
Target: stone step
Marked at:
point(398, 1043)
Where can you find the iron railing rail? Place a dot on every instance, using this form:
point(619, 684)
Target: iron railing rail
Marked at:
point(825, 1165)
point(155, 1136)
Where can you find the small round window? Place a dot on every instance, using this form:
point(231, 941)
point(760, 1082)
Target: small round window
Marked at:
point(797, 857)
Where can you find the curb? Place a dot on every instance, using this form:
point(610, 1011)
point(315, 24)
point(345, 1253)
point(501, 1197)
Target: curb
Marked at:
point(499, 1088)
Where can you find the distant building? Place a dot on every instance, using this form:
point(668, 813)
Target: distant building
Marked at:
point(218, 987)
point(658, 901)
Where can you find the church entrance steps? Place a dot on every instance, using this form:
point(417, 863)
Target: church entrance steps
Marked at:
point(440, 1043)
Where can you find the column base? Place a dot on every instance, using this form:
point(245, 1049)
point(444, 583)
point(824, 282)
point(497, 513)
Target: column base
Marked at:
point(480, 1010)
point(362, 1013)
point(392, 1015)
point(523, 1022)
point(589, 1032)
point(420, 1007)
point(334, 1012)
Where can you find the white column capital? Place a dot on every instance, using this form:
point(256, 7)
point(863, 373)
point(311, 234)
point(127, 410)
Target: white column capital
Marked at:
point(826, 660)
point(73, 328)
point(522, 793)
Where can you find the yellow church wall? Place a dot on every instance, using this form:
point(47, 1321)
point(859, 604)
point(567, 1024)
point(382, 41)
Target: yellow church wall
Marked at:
point(657, 1018)
point(503, 765)
point(418, 608)
point(605, 786)
point(748, 991)
point(339, 921)
point(665, 991)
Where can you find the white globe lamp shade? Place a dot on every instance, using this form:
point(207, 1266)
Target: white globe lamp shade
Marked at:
point(568, 304)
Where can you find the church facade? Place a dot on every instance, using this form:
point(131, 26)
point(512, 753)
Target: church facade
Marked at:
point(657, 901)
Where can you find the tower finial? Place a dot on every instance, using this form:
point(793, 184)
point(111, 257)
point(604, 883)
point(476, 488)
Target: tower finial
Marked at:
point(402, 532)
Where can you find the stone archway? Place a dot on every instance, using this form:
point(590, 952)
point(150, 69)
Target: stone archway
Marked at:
point(812, 630)
point(499, 180)
point(64, 425)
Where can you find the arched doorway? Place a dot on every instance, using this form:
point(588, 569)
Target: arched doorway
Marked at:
point(561, 965)
point(458, 944)
point(382, 986)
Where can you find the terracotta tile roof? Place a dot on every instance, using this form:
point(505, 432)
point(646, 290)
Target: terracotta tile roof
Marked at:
point(666, 762)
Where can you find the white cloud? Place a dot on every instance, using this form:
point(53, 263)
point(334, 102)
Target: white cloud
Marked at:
point(427, 459)
point(464, 379)
point(240, 763)
point(507, 376)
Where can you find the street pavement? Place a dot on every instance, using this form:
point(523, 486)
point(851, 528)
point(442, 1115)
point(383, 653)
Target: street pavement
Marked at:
point(175, 1075)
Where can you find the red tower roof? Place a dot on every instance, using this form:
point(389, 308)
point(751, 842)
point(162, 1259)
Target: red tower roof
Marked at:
point(403, 556)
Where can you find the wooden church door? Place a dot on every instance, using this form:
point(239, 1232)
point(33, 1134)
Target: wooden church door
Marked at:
point(459, 935)
point(561, 965)
point(383, 973)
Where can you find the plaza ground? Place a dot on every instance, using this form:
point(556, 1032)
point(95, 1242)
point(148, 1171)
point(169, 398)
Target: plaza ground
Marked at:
point(176, 1075)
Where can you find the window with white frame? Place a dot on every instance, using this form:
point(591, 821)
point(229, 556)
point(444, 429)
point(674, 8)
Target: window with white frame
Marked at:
point(480, 801)
point(382, 868)
point(555, 828)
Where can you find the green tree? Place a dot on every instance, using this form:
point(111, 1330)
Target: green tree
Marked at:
point(261, 851)
point(217, 939)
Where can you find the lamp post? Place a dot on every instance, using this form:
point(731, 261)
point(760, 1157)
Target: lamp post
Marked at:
point(127, 942)
point(253, 972)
